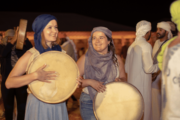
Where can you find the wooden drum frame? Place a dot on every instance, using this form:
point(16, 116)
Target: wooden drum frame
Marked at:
point(65, 84)
point(120, 101)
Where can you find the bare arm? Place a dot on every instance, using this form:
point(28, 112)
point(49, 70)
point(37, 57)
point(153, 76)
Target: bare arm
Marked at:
point(122, 74)
point(80, 63)
point(8, 48)
point(148, 65)
point(17, 79)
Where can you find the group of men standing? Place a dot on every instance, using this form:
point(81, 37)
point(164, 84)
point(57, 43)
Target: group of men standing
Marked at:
point(142, 68)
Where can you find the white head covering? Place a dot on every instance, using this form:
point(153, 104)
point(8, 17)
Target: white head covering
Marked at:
point(9, 32)
point(142, 28)
point(166, 26)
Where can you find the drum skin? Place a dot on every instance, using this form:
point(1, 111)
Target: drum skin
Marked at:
point(120, 101)
point(21, 34)
point(65, 84)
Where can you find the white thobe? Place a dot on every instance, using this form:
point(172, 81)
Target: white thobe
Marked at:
point(156, 88)
point(139, 66)
point(171, 84)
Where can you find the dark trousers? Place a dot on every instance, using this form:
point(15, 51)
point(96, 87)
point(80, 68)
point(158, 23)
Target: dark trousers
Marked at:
point(8, 100)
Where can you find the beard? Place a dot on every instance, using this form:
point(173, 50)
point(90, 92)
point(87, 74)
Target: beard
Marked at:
point(161, 35)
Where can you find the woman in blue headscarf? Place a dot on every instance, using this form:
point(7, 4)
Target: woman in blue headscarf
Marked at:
point(46, 33)
point(99, 66)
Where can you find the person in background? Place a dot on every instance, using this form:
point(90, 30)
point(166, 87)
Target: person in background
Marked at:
point(1, 100)
point(163, 34)
point(174, 30)
point(1, 36)
point(139, 65)
point(10, 56)
point(70, 48)
point(168, 60)
point(125, 49)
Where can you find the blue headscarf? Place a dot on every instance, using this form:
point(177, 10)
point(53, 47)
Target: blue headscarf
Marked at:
point(38, 25)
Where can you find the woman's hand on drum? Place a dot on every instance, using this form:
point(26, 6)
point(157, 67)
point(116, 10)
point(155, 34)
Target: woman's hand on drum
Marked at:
point(45, 76)
point(79, 81)
point(97, 85)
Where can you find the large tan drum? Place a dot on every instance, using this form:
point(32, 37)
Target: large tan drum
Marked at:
point(21, 34)
point(65, 84)
point(120, 101)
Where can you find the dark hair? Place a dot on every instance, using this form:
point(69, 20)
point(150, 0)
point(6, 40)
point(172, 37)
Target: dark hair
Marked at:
point(112, 48)
point(1, 34)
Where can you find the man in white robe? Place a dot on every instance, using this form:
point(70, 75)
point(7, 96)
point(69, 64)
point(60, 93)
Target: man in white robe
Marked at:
point(163, 33)
point(139, 65)
point(170, 56)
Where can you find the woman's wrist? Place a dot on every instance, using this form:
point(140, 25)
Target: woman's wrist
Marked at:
point(86, 82)
point(35, 76)
point(90, 82)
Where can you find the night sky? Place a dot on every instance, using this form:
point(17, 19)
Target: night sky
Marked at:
point(127, 12)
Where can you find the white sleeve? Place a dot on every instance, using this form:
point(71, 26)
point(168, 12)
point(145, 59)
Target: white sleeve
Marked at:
point(171, 87)
point(147, 61)
point(172, 90)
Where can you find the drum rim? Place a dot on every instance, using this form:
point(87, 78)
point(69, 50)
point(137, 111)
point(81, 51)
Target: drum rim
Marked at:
point(46, 101)
point(22, 21)
point(119, 82)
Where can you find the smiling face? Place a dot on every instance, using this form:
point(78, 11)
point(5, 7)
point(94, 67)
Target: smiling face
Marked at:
point(51, 32)
point(100, 42)
point(161, 33)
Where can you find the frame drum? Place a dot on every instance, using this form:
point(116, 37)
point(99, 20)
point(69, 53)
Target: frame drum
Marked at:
point(21, 34)
point(65, 84)
point(120, 101)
